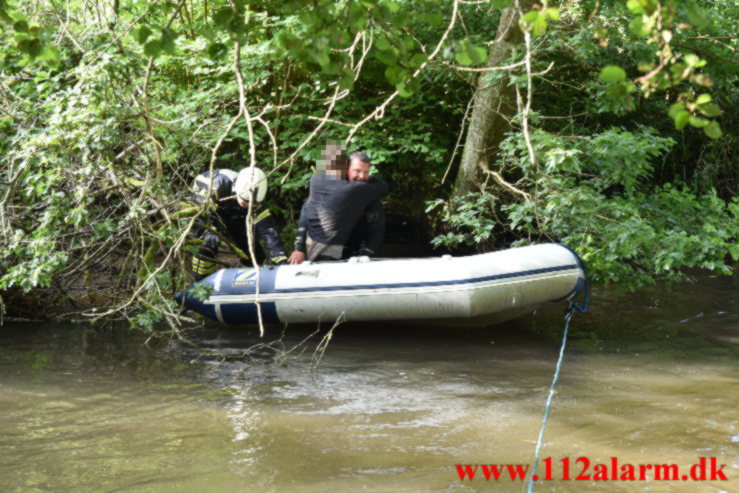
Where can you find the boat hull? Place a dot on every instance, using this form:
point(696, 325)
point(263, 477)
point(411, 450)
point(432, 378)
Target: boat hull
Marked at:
point(360, 289)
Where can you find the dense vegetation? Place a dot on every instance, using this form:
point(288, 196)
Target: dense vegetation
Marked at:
point(596, 124)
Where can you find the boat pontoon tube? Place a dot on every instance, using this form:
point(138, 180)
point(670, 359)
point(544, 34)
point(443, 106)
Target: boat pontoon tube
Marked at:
point(392, 289)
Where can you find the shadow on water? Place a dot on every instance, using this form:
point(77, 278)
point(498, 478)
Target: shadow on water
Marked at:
point(693, 320)
point(698, 320)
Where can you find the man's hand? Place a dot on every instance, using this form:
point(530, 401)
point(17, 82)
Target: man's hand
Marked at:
point(296, 258)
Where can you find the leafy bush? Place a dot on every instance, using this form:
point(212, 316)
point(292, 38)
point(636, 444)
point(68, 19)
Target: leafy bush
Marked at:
point(594, 194)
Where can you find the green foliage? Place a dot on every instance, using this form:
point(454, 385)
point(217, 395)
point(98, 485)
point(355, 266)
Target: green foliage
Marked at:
point(108, 118)
point(469, 54)
point(29, 38)
point(658, 22)
point(468, 218)
point(611, 74)
point(592, 193)
point(200, 291)
point(85, 191)
point(536, 21)
point(39, 261)
point(687, 112)
point(572, 90)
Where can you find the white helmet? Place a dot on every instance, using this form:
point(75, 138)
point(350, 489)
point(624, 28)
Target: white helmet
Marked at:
point(228, 172)
point(251, 181)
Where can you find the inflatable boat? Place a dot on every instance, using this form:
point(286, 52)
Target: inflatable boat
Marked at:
point(500, 284)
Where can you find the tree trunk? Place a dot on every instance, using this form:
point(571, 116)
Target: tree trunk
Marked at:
point(494, 105)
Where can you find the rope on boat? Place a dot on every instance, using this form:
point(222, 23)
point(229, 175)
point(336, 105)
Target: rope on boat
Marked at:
point(568, 315)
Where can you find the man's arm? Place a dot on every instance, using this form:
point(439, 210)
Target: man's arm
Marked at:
point(345, 205)
point(351, 198)
point(375, 217)
point(298, 255)
point(302, 233)
point(269, 233)
point(368, 191)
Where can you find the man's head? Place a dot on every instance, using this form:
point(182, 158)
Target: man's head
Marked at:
point(359, 167)
point(334, 160)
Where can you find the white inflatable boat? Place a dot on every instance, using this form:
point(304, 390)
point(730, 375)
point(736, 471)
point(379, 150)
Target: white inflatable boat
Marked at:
point(502, 284)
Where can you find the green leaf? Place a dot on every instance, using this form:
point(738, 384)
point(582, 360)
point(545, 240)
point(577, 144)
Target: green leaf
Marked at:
point(333, 66)
point(463, 58)
point(710, 110)
point(418, 59)
point(237, 25)
point(617, 91)
point(527, 21)
point(635, 6)
point(713, 130)
point(408, 43)
point(675, 110)
point(696, 15)
point(153, 48)
point(223, 16)
point(679, 71)
point(681, 120)
point(347, 80)
point(282, 41)
point(478, 54)
point(698, 122)
point(168, 40)
point(703, 99)
point(501, 4)
point(50, 54)
point(434, 18)
point(382, 43)
point(216, 50)
point(141, 33)
point(357, 21)
point(31, 46)
point(530, 16)
point(17, 16)
point(612, 73)
point(395, 74)
point(319, 56)
point(637, 27)
point(407, 89)
point(553, 14)
point(388, 57)
point(693, 60)
point(21, 26)
point(403, 91)
point(540, 25)
point(392, 7)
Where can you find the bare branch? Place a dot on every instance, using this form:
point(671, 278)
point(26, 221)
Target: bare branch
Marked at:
point(379, 111)
point(462, 127)
point(499, 178)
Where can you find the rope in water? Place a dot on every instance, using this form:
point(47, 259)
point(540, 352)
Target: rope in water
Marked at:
point(568, 316)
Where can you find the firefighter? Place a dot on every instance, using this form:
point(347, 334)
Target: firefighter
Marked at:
point(230, 194)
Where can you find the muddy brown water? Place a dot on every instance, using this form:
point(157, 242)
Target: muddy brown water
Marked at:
point(649, 378)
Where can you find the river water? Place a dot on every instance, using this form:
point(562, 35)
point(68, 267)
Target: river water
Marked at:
point(649, 378)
